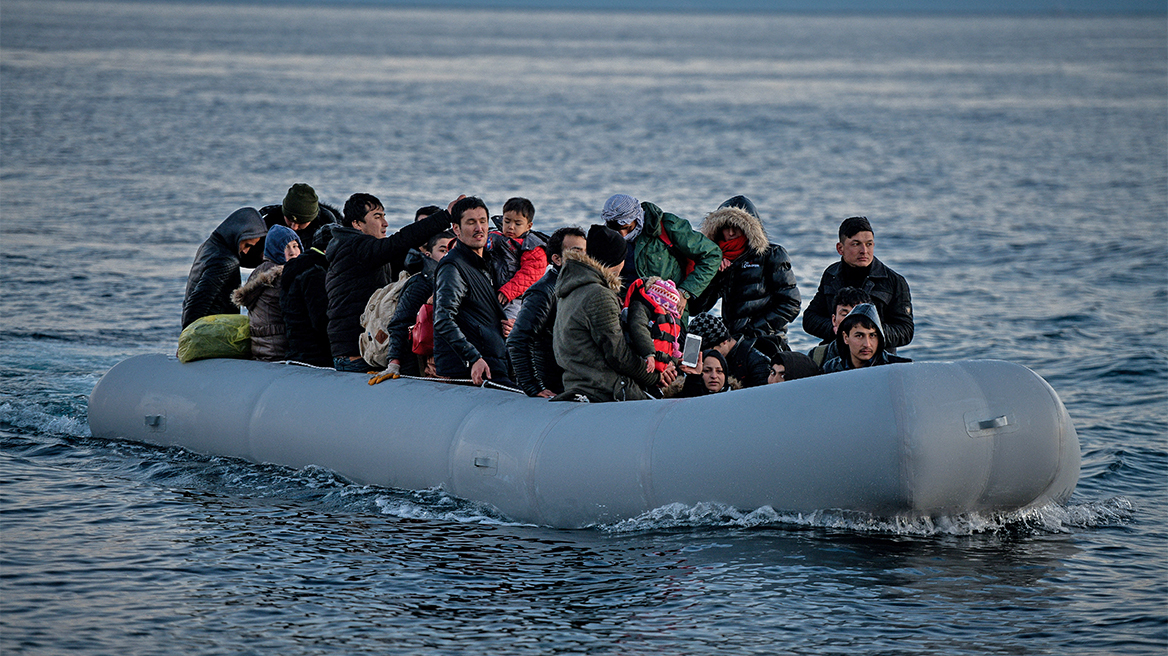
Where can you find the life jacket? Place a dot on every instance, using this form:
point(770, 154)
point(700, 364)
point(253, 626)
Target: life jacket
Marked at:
point(374, 340)
point(687, 264)
point(663, 328)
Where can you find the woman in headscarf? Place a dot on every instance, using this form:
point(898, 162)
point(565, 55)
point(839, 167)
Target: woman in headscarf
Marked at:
point(712, 378)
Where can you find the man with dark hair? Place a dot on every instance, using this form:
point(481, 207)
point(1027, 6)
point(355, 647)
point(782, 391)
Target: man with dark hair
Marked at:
point(663, 245)
point(530, 342)
point(750, 366)
point(426, 211)
point(859, 268)
point(302, 211)
point(588, 338)
point(845, 299)
point(468, 320)
point(361, 259)
point(416, 291)
point(416, 259)
point(860, 342)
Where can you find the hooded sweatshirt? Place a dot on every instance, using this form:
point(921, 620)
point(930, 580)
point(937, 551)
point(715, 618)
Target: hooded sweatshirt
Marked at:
point(215, 271)
point(843, 362)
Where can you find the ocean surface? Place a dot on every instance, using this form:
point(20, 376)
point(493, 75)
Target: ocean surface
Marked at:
point(1015, 170)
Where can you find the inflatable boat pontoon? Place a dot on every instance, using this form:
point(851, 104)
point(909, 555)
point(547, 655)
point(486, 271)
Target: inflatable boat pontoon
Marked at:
point(921, 439)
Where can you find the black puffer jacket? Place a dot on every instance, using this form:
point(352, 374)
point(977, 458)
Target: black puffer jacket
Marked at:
point(888, 291)
point(357, 268)
point(467, 317)
point(418, 289)
point(305, 304)
point(530, 341)
point(215, 272)
point(274, 215)
point(758, 290)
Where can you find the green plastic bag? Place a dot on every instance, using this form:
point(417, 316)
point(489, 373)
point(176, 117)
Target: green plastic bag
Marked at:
point(215, 336)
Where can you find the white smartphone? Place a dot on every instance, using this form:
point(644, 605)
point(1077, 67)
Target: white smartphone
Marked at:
point(692, 352)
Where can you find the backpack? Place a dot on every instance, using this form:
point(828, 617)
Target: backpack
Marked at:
point(422, 332)
point(374, 340)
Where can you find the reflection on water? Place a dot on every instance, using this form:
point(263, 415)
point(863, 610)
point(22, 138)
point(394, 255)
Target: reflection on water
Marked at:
point(1014, 170)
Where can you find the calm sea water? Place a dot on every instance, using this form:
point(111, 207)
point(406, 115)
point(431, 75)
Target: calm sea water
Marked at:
point(1016, 171)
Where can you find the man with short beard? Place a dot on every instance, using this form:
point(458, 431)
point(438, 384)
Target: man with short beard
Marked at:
point(468, 320)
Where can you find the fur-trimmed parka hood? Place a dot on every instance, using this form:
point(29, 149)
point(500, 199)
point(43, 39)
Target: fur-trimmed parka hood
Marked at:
point(264, 276)
point(756, 236)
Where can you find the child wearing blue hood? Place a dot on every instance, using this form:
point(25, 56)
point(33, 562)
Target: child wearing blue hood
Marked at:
point(261, 295)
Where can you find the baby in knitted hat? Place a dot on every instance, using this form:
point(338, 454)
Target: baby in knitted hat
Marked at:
point(653, 320)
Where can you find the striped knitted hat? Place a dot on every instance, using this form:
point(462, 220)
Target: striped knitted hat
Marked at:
point(665, 293)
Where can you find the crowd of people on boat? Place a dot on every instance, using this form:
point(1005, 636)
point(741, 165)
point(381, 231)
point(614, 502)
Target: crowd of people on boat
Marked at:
point(584, 314)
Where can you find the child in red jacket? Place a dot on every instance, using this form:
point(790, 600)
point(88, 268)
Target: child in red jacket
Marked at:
point(518, 255)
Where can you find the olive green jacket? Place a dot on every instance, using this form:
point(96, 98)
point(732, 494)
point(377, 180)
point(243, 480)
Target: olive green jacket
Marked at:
point(588, 339)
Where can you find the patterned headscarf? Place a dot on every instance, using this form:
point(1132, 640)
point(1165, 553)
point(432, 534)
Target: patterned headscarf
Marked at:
point(623, 209)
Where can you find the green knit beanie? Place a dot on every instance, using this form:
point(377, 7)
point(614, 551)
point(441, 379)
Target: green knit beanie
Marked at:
point(301, 203)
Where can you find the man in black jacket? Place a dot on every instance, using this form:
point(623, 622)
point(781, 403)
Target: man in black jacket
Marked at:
point(359, 258)
point(860, 342)
point(215, 272)
point(859, 268)
point(468, 320)
point(530, 341)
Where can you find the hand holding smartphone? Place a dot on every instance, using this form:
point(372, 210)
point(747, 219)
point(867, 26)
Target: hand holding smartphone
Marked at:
point(692, 353)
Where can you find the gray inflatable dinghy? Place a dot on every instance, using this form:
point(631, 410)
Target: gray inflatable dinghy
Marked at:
point(921, 439)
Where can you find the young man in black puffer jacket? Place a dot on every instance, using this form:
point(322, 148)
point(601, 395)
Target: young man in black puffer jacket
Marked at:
point(359, 258)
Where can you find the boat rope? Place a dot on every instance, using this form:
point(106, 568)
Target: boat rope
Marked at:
point(305, 364)
point(378, 377)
